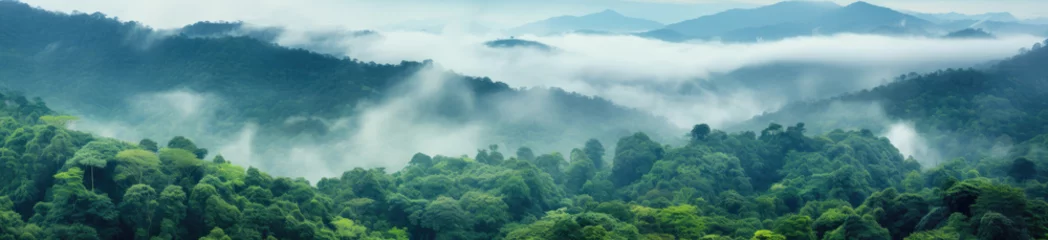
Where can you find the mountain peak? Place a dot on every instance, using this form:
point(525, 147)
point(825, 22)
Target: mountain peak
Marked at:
point(805, 2)
point(606, 12)
point(606, 21)
point(862, 4)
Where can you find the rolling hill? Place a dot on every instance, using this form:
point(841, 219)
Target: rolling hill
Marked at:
point(605, 21)
point(126, 74)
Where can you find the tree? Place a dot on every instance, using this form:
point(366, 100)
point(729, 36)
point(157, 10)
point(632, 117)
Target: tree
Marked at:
point(72, 203)
point(595, 152)
point(1001, 199)
point(258, 178)
point(421, 160)
point(993, 225)
point(172, 204)
point(347, 229)
point(482, 156)
point(516, 192)
point(445, 215)
point(219, 159)
point(580, 171)
point(488, 212)
point(72, 232)
point(135, 164)
point(553, 164)
point(97, 154)
point(699, 132)
point(795, 227)
point(137, 208)
point(1022, 169)
point(184, 143)
point(767, 235)
point(216, 234)
point(494, 156)
point(682, 221)
point(634, 156)
point(618, 209)
point(219, 214)
point(525, 153)
point(188, 168)
point(10, 222)
point(595, 232)
point(855, 227)
point(149, 145)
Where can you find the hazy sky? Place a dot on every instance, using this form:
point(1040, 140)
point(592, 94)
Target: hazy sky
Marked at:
point(371, 14)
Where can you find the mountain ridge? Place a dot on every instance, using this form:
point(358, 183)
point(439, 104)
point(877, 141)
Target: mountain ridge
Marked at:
point(605, 21)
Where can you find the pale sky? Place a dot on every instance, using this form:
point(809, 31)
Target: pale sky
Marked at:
point(370, 14)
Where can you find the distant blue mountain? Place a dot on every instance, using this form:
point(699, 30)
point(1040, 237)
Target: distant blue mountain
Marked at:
point(775, 14)
point(952, 16)
point(798, 18)
point(997, 27)
point(606, 21)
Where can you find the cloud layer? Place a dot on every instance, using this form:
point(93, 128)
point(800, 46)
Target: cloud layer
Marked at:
point(667, 78)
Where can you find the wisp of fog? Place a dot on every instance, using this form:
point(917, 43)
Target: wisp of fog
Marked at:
point(687, 83)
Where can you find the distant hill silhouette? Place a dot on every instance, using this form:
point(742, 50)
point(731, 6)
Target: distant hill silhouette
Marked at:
point(605, 21)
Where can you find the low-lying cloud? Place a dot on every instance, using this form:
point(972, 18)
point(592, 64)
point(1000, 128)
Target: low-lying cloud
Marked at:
point(670, 79)
point(687, 83)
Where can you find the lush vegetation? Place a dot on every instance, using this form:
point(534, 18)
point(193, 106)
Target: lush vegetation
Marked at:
point(776, 184)
point(968, 113)
point(782, 182)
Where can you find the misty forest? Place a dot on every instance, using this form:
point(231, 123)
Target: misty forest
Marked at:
point(793, 120)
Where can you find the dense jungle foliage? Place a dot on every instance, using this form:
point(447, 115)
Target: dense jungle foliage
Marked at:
point(776, 184)
point(783, 182)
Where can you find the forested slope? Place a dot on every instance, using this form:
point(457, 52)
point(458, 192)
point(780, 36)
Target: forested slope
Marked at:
point(780, 183)
point(965, 112)
point(97, 66)
point(795, 181)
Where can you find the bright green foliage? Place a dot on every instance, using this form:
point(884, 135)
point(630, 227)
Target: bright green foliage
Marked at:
point(795, 227)
point(767, 235)
point(682, 221)
point(595, 233)
point(58, 121)
point(135, 165)
point(827, 190)
point(487, 211)
point(216, 234)
point(11, 224)
point(96, 155)
point(561, 225)
point(184, 143)
point(73, 204)
point(219, 214)
point(938, 234)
